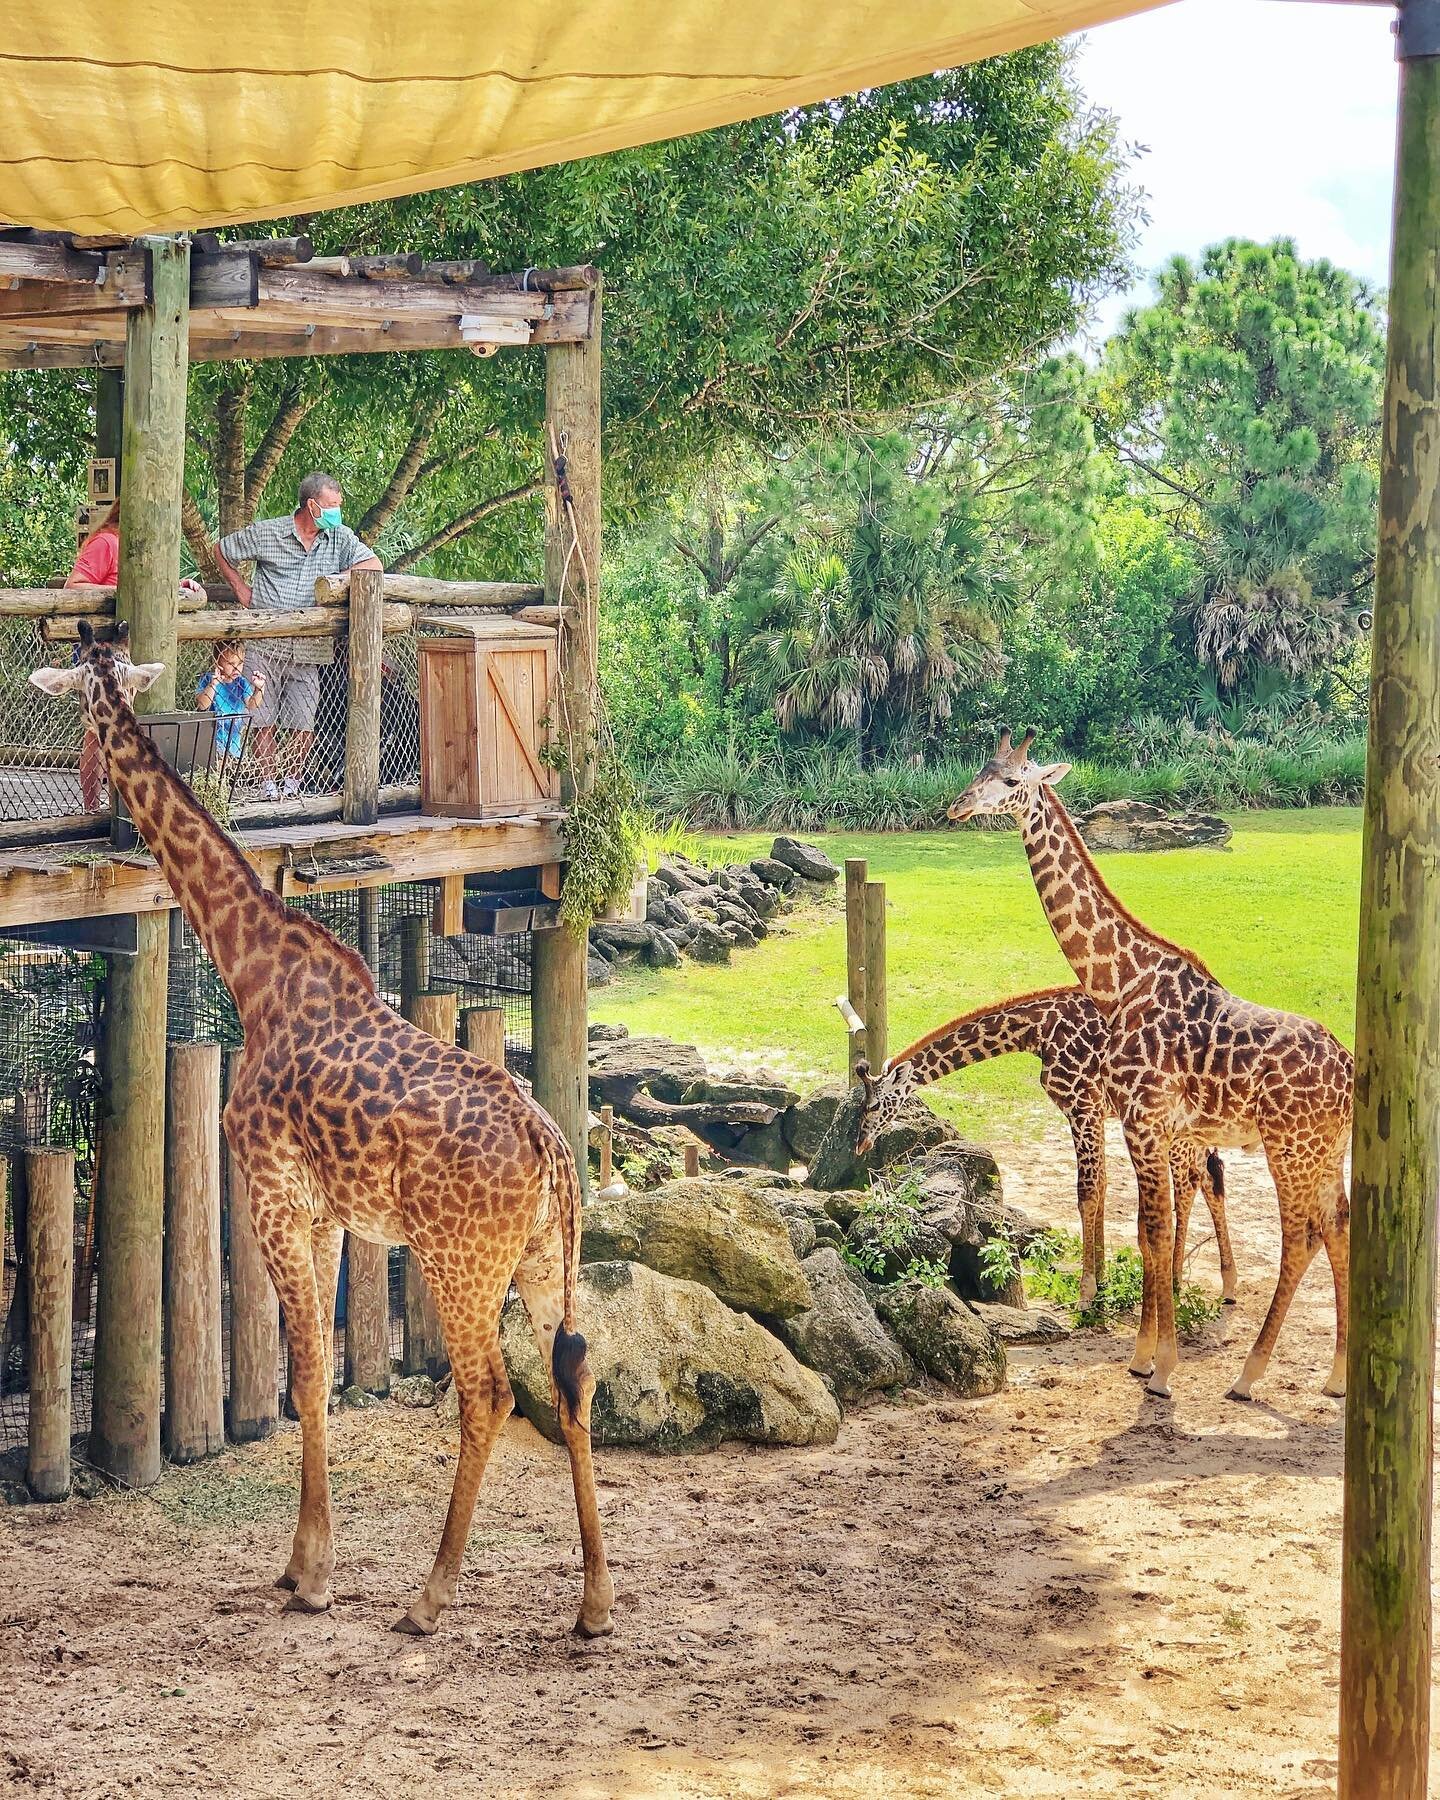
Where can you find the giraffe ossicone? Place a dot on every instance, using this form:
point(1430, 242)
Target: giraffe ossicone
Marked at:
point(1187, 1059)
point(342, 1115)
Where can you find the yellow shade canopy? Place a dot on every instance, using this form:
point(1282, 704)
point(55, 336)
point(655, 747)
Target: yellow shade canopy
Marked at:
point(137, 115)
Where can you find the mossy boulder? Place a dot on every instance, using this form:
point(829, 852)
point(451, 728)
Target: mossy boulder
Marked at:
point(674, 1369)
point(840, 1336)
point(725, 1235)
point(945, 1336)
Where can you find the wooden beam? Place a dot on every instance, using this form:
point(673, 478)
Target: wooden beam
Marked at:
point(366, 611)
point(270, 253)
point(330, 590)
point(572, 580)
point(224, 280)
point(1385, 1600)
point(48, 262)
point(81, 602)
point(123, 282)
point(448, 918)
point(249, 622)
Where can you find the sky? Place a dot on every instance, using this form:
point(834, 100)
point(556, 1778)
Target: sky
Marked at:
point(1259, 118)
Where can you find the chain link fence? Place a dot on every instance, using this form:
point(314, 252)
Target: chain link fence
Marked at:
point(51, 1021)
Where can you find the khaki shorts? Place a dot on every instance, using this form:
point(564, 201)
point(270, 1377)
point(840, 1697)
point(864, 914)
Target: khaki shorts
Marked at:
point(292, 691)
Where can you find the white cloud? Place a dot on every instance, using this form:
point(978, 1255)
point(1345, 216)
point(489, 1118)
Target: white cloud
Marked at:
point(1260, 118)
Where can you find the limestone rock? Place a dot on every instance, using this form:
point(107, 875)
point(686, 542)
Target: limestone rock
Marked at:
point(709, 944)
point(359, 1398)
point(1023, 1325)
point(961, 1200)
point(840, 1337)
point(801, 1228)
point(804, 859)
point(674, 1368)
point(728, 1237)
point(1136, 825)
point(598, 972)
point(774, 874)
point(413, 1390)
point(618, 1066)
point(945, 1336)
point(913, 1129)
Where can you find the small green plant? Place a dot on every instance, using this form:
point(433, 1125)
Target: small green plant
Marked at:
point(1195, 1308)
point(927, 1271)
point(604, 837)
point(999, 1263)
point(887, 1220)
point(1234, 1622)
point(1052, 1272)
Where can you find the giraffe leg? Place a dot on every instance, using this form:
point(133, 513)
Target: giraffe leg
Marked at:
point(540, 1283)
point(1305, 1189)
point(1184, 1178)
point(1296, 1254)
point(284, 1235)
point(1336, 1230)
point(325, 1247)
point(1213, 1188)
point(1155, 1350)
point(1087, 1129)
point(472, 1338)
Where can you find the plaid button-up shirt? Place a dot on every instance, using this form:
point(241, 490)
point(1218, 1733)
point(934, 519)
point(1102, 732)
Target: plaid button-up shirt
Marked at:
point(286, 573)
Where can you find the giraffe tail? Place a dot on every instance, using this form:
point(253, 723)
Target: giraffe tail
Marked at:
point(568, 1356)
point(1215, 1169)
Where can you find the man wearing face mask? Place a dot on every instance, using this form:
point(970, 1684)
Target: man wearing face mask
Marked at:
point(289, 555)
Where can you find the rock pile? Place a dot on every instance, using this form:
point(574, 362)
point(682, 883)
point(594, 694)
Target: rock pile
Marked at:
point(706, 913)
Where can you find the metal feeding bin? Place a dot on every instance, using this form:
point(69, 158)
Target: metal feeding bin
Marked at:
point(205, 750)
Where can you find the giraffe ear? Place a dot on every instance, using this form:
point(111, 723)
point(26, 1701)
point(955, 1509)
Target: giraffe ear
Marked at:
point(1053, 772)
point(139, 676)
point(55, 682)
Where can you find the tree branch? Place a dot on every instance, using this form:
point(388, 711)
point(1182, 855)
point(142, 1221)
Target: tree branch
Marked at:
point(295, 407)
point(466, 522)
point(198, 537)
point(407, 471)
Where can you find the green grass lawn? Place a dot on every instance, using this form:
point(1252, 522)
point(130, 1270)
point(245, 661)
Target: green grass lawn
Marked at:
point(1274, 915)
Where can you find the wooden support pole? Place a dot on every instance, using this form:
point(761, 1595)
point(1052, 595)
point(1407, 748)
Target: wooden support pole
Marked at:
point(857, 873)
point(875, 1013)
point(50, 1179)
point(125, 1414)
point(1385, 1608)
point(367, 1290)
point(483, 1033)
point(110, 418)
point(607, 1145)
point(369, 929)
point(448, 918)
point(253, 1404)
point(414, 961)
point(424, 1347)
point(572, 580)
point(692, 1159)
point(361, 803)
point(194, 1425)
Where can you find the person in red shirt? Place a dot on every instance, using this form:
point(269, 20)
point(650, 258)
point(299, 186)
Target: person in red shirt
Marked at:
point(97, 565)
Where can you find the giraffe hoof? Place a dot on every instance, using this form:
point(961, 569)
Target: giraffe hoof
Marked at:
point(287, 1581)
point(1334, 1393)
point(1229, 1300)
point(409, 1626)
point(1160, 1389)
point(585, 1628)
point(298, 1603)
point(1141, 1374)
point(1235, 1394)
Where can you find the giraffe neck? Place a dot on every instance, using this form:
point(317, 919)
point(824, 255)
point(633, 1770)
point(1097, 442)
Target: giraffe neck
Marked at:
point(233, 914)
point(1002, 1030)
point(1103, 943)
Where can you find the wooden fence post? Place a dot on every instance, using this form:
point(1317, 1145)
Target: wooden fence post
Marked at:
point(424, 1344)
point(360, 804)
point(414, 961)
point(856, 874)
point(1385, 1607)
point(483, 1030)
point(875, 1013)
point(607, 1146)
point(572, 580)
point(367, 1290)
point(50, 1179)
point(254, 1318)
point(194, 1425)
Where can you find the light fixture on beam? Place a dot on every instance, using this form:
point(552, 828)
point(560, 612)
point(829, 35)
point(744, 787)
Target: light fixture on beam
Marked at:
point(485, 333)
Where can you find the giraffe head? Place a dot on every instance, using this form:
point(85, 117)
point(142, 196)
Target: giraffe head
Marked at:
point(883, 1098)
point(1009, 784)
point(102, 672)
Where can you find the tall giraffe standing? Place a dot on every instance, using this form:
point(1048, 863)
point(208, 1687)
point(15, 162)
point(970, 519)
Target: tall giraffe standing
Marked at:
point(1067, 1031)
point(1185, 1058)
point(345, 1117)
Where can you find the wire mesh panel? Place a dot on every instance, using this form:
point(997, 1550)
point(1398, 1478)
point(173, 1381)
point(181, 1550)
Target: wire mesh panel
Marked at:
point(46, 769)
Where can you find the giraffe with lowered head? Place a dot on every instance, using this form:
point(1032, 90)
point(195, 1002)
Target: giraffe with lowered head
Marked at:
point(345, 1117)
point(1067, 1031)
point(1187, 1059)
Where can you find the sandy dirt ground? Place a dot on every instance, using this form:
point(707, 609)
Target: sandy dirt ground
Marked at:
point(1069, 1588)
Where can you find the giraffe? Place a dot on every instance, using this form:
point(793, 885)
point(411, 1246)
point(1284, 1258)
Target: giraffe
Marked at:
point(1067, 1031)
point(343, 1117)
point(1185, 1058)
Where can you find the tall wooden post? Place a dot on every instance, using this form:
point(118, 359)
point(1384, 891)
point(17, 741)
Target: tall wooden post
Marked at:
point(125, 1421)
point(572, 580)
point(360, 804)
point(253, 1404)
point(483, 1033)
point(876, 1014)
point(50, 1178)
point(194, 1424)
point(1385, 1578)
point(367, 1290)
point(424, 1342)
point(857, 872)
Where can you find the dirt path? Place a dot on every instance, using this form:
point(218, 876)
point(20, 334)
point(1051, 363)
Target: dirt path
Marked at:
point(1069, 1588)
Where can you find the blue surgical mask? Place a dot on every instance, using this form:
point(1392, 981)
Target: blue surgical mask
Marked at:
point(329, 519)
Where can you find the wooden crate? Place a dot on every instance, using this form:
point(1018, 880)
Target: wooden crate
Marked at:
point(484, 718)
